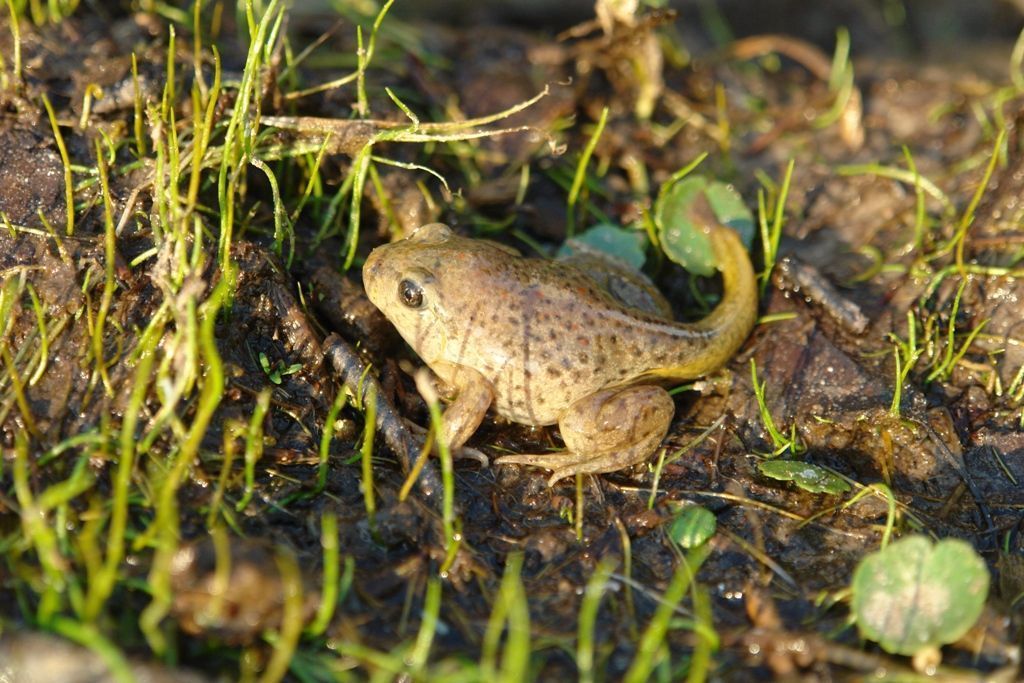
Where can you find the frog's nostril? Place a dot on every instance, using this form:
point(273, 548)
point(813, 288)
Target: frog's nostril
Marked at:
point(372, 265)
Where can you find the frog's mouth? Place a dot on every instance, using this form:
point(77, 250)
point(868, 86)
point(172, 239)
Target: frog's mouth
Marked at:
point(374, 273)
point(427, 337)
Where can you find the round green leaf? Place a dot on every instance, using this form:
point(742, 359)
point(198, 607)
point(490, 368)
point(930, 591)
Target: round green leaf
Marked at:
point(682, 235)
point(682, 240)
point(805, 475)
point(730, 210)
point(914, 595)
point(625, 245)
point(693, 527)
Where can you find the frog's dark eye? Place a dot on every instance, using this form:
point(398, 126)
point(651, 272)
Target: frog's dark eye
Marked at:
point(410, 293)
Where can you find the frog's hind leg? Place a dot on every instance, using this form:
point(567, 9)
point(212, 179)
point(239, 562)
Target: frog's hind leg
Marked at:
point(606, 431)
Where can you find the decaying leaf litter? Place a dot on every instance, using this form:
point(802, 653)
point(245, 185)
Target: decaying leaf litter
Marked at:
point(165, 389)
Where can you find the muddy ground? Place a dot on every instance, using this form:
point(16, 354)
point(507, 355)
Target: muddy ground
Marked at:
point(865, 250)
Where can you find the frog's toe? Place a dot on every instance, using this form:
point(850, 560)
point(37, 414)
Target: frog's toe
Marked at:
point(601, 463)
point(560, 473)
point(472, 454)
point(549, 461)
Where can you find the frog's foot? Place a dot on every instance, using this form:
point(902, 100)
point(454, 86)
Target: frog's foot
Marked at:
point(606, 431)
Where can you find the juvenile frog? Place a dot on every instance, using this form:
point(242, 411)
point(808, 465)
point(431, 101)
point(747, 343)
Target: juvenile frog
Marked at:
point(545, 342)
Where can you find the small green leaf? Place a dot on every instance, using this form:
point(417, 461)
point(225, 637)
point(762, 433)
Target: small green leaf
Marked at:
point(913, 595)
point(625, 245)
point(683, 241)
point(273, 372)
point(682, 233)
point(805, 475)
point(693, 527)
point(730, 210)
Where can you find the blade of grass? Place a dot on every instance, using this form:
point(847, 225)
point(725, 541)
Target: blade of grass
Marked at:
point(452, 538)
point(39, 533)
point(579, 508)
point(585, 627)
point(653, 638)
point(418, 655)
point(101, 585)
point(16, 37)
point(581, 172)
point(901, 175)
point(360, 166)
point(968, 218)
point(780, 441)
point(509, 610)
point(906, 355)
point(165, 525)
point(771, 235)
point(313, 182)
point(707, 637)
point(232, 429)
point(287, 639)
point(365, 57)
point(44, 337)
point(253, 447)
point(330, 594)
point(203, 130)
point(18, 388)
point(366, 455)
point(282, 226)
point(69, 194)
point(109, 256)
point(919, 212)
point(137, 119)
point(340, 401)
point(240, 130)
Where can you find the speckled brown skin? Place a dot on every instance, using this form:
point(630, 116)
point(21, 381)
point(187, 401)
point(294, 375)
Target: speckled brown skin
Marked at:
point(541, 342)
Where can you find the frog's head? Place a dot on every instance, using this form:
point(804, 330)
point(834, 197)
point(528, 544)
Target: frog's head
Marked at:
point(402, 280)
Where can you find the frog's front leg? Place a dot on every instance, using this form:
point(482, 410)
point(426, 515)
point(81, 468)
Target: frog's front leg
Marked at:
point(473, 396)
point(607, 431)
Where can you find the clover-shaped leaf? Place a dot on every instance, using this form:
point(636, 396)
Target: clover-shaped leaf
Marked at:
point(912, 595)
point(680, 218)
